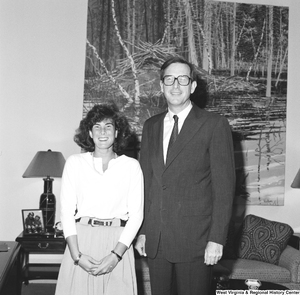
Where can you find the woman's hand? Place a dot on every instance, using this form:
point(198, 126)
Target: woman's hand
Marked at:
point(106, 265)
point(88, 263)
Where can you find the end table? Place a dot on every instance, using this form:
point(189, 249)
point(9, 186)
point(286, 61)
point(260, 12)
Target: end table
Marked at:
point(39, 244)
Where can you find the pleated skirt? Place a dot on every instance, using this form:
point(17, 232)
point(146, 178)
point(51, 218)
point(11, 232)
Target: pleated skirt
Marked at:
point(98, 243)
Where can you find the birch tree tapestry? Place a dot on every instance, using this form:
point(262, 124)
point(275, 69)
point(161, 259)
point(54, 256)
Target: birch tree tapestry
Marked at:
point(240, 52)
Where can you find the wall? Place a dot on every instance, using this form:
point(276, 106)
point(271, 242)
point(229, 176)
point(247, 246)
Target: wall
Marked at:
point(42, 57)
point(288, 213)
point(42, 53)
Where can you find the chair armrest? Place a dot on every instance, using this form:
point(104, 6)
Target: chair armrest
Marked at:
point(294, 241)
point(290, 259)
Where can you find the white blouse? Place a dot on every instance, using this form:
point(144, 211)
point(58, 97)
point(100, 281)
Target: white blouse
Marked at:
point(116, 193)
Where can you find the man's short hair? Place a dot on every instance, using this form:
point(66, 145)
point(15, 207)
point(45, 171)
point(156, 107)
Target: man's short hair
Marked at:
point(177, 59)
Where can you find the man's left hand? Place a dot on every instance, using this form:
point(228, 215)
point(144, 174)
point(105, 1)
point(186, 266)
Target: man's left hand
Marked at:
point(213, 253)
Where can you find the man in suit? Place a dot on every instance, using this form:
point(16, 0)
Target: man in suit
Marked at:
point(189, 192)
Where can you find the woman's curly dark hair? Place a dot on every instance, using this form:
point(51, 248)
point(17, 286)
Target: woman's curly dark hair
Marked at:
point(97, 114)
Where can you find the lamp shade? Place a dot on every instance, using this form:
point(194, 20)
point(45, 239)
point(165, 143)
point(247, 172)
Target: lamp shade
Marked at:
point(46, 164)
point(296, 181)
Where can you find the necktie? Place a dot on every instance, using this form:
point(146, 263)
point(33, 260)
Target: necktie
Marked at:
point(174, 133)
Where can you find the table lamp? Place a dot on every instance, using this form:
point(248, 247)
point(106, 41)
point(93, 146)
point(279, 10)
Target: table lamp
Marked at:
point(296, 181)
point(47, 164)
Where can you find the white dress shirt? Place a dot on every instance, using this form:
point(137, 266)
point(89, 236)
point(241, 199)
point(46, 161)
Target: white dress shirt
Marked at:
point(117, 192)
point(169, 123)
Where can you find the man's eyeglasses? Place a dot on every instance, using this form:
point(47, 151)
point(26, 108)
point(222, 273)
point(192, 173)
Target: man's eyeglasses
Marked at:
point(183, 80)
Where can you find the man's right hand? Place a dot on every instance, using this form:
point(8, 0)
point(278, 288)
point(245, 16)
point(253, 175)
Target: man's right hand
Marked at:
point(140, 245)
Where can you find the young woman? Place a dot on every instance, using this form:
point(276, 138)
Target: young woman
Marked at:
point(101, 208)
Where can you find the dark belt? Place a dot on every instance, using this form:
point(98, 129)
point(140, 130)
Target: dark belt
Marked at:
point(99, 222)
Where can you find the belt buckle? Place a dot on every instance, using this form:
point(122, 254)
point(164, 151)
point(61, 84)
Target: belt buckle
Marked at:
point(93, 220)
point(97, 222)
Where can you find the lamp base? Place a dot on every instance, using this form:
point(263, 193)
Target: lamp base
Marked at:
point(47, 205)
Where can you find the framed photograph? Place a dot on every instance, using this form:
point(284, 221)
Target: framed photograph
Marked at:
point(33, 223)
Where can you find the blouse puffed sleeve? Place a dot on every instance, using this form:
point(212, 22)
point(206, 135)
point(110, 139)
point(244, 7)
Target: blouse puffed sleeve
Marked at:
point(68, 198)
point(135, 203)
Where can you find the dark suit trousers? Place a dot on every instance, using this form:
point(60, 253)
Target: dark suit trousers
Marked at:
point(187, 278)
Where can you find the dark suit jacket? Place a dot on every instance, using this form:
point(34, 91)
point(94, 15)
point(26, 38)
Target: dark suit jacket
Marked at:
point(188, 201)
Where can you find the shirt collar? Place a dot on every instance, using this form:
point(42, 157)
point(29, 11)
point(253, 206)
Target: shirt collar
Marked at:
point(182, 115)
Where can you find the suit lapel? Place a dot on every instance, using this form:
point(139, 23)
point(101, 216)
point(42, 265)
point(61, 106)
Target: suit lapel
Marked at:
point(158, 128)
point(190, 127)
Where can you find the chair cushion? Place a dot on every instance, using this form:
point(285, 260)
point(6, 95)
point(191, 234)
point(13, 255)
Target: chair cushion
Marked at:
point(262, 239)
point(251, 269)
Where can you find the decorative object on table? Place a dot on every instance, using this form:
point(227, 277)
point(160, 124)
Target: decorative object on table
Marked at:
point(33, 223)
point(58, 230)
point(253, 284)
point(47, 164)
point(296, 181)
